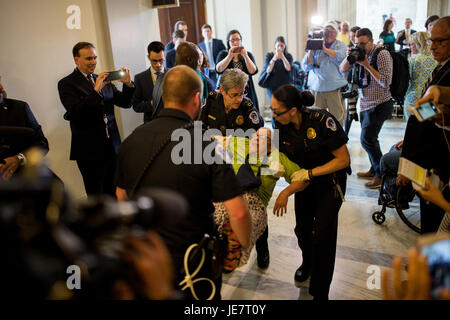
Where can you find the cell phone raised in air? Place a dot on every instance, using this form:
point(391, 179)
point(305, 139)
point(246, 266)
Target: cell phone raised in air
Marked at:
point(115, 75)
point(436, 248)
point(424, 111)
point(237, 49)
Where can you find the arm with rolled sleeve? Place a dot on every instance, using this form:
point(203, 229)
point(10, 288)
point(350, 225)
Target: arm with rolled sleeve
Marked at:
point(308, 65)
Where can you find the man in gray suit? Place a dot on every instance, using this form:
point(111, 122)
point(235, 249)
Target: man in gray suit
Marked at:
point(145, 81)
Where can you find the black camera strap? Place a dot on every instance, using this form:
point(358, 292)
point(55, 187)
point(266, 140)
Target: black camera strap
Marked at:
point(161, 147)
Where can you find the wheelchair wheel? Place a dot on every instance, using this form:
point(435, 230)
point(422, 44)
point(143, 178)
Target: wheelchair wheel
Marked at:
point(408, 211)
point(378, 217)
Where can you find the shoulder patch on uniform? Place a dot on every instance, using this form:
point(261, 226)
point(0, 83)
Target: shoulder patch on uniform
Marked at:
point(331, 124)
point(254, 117)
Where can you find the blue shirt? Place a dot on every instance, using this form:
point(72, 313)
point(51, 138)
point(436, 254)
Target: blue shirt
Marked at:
point(325, 74)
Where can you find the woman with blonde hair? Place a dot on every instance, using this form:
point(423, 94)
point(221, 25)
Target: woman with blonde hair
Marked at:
point(421, 64)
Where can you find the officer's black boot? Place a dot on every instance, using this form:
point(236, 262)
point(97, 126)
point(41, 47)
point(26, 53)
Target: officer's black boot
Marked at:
point(262, 250)
point(303, 272)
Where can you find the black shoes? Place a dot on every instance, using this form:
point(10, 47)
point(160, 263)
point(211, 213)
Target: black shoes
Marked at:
point(263, 258)
point(302, 273)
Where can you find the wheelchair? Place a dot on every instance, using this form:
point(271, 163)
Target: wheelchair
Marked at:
point(404, 199)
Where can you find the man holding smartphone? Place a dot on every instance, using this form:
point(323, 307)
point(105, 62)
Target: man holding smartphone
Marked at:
point(89, 103)
point(426, 142)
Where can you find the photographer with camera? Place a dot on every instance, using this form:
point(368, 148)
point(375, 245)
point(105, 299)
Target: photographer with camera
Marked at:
point(237, 56)
point(376, 99)
point(325, 79)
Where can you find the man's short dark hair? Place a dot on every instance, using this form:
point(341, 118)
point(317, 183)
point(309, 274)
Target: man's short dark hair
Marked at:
point(179, 34)
point(155, 46)
point(205, 26)
point(81, 45)
point(364, 32)
point(355, 29)
point(178, 23)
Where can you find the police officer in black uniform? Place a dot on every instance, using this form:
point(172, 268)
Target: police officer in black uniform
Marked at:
point(229, 109)
point(200, 183)
point(315, 140)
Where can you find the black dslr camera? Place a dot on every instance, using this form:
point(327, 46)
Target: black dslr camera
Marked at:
point(42, 234)
point(356, 54)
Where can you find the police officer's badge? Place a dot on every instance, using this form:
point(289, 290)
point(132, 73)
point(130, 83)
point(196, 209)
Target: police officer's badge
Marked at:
point(311, 133)
point(240, 120)
point(254, 117)
point(331, 124)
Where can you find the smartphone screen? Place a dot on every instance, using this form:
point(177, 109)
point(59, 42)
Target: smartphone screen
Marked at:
point(427, 110)
point(115, 75)
point(438, 258)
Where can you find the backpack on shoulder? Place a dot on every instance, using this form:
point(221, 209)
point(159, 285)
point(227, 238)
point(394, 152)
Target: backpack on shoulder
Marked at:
point(400, 74)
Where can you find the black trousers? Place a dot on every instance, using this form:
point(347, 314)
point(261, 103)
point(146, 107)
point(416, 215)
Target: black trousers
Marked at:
point(430, 216)
point(98, 174)
point(316, 214)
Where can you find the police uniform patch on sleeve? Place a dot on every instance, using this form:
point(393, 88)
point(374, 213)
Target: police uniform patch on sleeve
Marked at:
point(254, 117)
point(331, 124)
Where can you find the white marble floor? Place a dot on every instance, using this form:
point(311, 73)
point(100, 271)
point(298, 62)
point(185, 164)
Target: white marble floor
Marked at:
point(362, 244)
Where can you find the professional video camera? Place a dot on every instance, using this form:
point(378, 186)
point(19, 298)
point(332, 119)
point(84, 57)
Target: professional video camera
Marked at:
point(356, 54)
point(42, 233)
point(316, 38)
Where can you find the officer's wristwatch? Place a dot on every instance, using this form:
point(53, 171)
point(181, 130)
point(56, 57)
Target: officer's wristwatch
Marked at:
point(310, 175)
point(22, 159)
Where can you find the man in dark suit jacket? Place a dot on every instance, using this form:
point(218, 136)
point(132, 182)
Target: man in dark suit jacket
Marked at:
point(211, 47)
point(425, 143)
point(16, 115)
point(145, 81)
point(178, 37)
point(89, 102)
point(179, 25)
point(403, 37)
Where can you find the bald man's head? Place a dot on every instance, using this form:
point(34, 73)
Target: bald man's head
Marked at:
point(180, 85)
point(444, 23)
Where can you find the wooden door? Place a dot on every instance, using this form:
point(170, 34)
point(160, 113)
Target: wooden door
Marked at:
point(191, 11)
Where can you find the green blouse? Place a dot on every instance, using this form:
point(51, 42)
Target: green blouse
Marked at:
point(277, 166)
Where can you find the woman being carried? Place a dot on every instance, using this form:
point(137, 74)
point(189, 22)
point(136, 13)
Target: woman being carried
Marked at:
point(258, 166)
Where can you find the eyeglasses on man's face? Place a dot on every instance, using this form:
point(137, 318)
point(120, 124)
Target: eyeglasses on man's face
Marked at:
point(436, 41)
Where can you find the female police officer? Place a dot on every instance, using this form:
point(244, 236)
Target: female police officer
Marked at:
point(229, 109)
point(315, 141)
